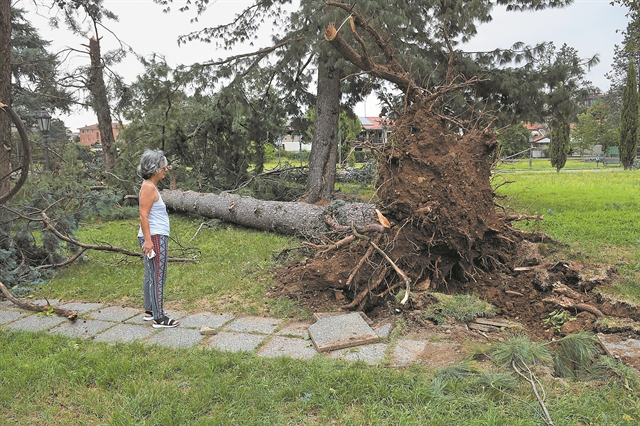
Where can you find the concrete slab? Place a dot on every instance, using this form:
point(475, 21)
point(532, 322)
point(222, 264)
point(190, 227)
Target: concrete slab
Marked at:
point(125, 333)
point(626, 350)
point(36, 323)
point(297, 329)
point(371, 354)
point(81, 307)
point(7, 316)
point(383, 331)
point(407, 351)
point(81, 328)
point(341, 331)
point(206, 319)
point(114, 313)
point(178, 337)
point(236, 342)
point(289, 347)
point(253, 325)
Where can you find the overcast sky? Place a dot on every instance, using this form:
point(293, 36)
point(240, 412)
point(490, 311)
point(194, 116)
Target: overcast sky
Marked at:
point(589, 26)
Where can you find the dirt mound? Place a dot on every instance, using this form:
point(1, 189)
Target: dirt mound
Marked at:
point(445, 234)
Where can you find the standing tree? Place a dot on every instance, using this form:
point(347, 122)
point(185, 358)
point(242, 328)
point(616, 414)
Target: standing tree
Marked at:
point(559, 145)
point(628, 146)
point(514, 139)
point(86, 18)
point(5, 95)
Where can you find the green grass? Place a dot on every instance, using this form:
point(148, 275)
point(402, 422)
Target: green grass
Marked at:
point(596, 214)
point(545, 164)
point(58, 381)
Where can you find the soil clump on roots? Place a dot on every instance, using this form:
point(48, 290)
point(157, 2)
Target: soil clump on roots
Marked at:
point(445, 234)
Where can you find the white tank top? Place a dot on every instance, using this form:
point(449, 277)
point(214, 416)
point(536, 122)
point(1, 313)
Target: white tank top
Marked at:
point(158, 218)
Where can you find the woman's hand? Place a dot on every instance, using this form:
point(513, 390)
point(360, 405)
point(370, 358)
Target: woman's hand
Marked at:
point(147, 247)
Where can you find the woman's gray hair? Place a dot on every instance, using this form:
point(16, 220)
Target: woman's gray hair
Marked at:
point(151, 162)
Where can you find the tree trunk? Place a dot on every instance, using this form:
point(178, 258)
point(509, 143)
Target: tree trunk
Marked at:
point(322, 160)
point(289, 218)
point(5, 94)
point(101, 105)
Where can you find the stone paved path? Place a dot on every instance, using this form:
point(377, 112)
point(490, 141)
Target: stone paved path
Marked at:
point(268, 337)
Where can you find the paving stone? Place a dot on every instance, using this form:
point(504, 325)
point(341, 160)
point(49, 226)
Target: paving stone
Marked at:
point(81, 307)
point(383, 331)
point(178, 337)
point(206, 319)
point(253, 325)
point(10, 316)
point(407, 351)
point(288, 346)
point(341, 331)
point(236, 342)
point(626, 350)
point(114, 313)
point(296, 328)
point(125, 333)
point(36, 323)
point(81, 328)
point(371, 354)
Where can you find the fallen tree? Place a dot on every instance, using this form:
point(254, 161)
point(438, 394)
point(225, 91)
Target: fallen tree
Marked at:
point(289, 218)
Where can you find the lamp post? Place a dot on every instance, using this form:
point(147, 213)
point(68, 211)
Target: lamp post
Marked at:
point(530, 151)
point(44, 123)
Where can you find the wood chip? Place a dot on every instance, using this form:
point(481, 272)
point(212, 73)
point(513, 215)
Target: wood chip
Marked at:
point(497, 323)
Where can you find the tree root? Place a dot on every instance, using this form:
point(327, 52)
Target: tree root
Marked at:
point(70, 315)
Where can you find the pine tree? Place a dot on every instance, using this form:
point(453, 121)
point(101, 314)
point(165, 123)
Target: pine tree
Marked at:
point(559, 145)
point(629, 121)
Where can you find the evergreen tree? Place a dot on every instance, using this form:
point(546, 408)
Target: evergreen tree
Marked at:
point(628, 146)
point(559, 145)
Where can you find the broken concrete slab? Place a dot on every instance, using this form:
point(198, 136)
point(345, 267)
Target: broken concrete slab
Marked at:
point(288, 346)
point(341, 331)
point(371, 354)
point(236, 342)
point(253, 325)
point(383, 330)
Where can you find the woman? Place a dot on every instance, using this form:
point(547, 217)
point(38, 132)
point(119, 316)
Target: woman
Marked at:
point(153, 236)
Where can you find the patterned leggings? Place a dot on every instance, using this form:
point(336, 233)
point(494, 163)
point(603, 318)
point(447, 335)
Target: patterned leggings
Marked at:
point(155, 275)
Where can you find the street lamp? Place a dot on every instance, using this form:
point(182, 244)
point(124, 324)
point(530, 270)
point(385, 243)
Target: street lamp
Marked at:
point(530, 150)
point(44, 123)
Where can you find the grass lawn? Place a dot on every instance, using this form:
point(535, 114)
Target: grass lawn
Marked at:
point(51, 379)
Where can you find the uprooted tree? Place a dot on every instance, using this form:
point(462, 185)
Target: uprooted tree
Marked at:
point(437, 224)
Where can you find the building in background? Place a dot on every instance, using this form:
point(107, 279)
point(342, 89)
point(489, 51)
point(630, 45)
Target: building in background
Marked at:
point(90, 135)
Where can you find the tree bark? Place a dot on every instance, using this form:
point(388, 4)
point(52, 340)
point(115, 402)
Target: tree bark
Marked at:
point(101, 105)
point(324, 149)
point(289, 218)
point(5, 94)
